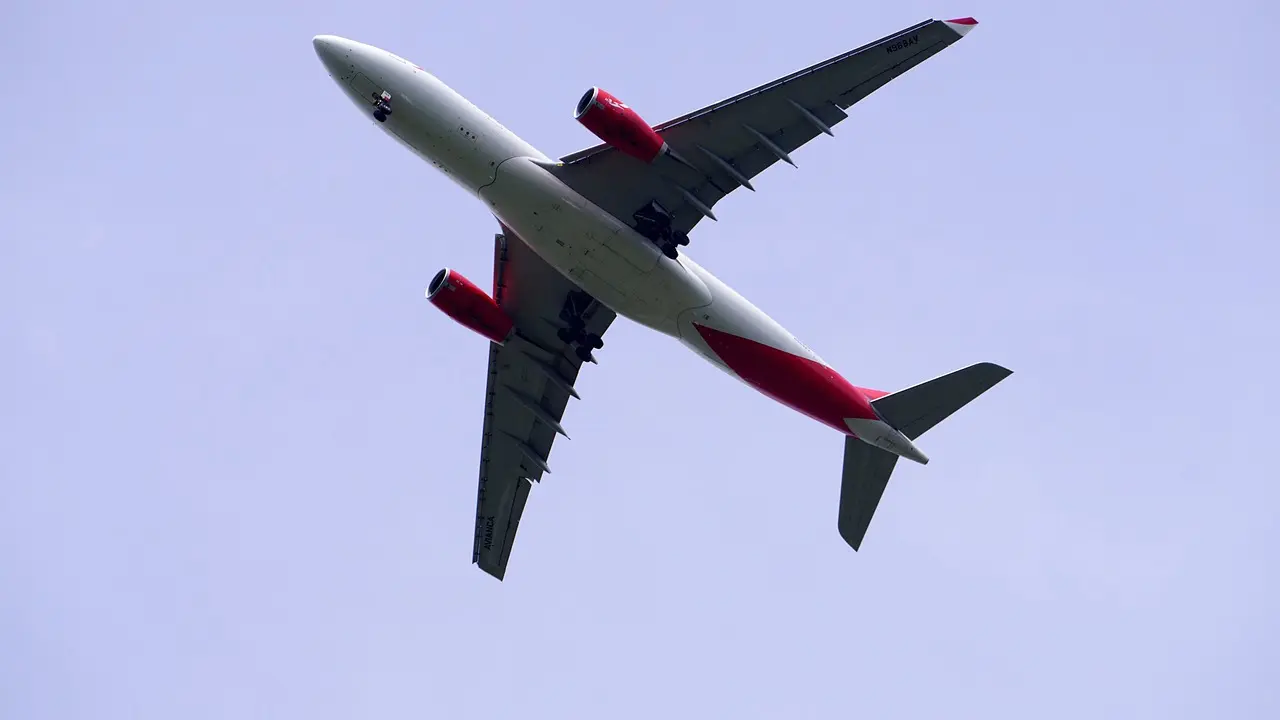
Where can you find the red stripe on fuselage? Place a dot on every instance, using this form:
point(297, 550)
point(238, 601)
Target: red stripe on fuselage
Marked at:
point(797, 382)
point(871, 394)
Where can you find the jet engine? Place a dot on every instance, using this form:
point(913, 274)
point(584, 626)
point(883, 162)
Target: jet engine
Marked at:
point(460, 299)
point(614, 122)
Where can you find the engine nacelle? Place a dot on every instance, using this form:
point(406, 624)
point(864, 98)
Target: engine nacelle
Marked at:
point(614, 122)
point(460, 299)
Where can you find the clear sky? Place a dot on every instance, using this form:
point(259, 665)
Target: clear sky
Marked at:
point(238, 449)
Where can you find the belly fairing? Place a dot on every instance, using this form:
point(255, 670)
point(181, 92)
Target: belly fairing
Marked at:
point(595, 250)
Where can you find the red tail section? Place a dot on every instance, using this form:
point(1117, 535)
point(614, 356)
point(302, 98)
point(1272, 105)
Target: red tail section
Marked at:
point(872, 394)
point(797, 382)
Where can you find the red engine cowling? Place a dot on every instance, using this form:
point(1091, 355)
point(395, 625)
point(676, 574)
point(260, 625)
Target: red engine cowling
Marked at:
point(614, 122)
point(461, 300)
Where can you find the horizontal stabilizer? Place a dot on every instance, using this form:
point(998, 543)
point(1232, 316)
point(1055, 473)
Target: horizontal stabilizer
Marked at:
point(920, 407)
point(866, 473)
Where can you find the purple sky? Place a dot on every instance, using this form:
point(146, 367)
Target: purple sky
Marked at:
point(238, 449)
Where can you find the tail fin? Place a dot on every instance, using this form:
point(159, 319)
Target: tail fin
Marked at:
point(913, 412)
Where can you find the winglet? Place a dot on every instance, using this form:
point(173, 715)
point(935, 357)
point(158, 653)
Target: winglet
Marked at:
point(961, 25)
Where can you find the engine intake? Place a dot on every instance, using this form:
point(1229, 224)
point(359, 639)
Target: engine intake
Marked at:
point(614, 122)
point(460, 299)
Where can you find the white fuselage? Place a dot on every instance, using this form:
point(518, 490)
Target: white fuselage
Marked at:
point(601, 254)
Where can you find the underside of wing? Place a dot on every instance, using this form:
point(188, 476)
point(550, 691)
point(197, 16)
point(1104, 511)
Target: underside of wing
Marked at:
point(530, 381)
point(721, 147)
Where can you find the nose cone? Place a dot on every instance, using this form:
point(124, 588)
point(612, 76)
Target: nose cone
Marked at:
point(329, 48)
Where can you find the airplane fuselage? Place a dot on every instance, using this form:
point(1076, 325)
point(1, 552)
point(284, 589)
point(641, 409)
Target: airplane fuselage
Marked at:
point(597, 251)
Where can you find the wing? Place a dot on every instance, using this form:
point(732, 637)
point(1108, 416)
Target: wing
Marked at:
point(724, 145)
point(530, 382)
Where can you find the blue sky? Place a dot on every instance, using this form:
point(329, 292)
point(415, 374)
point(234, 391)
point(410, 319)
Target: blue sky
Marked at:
point(238, 449)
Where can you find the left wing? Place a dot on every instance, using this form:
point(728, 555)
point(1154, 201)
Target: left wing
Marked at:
point(530, 381)
point(726, 144)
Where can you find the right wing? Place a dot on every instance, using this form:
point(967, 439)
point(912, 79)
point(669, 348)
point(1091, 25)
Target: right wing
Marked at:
point(734, 140)
point(530, 381)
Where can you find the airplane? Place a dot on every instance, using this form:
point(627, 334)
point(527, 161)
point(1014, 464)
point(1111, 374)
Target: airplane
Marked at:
point(598, 233)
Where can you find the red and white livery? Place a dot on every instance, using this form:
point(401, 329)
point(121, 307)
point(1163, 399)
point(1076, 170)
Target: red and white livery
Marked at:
point(601, 233)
